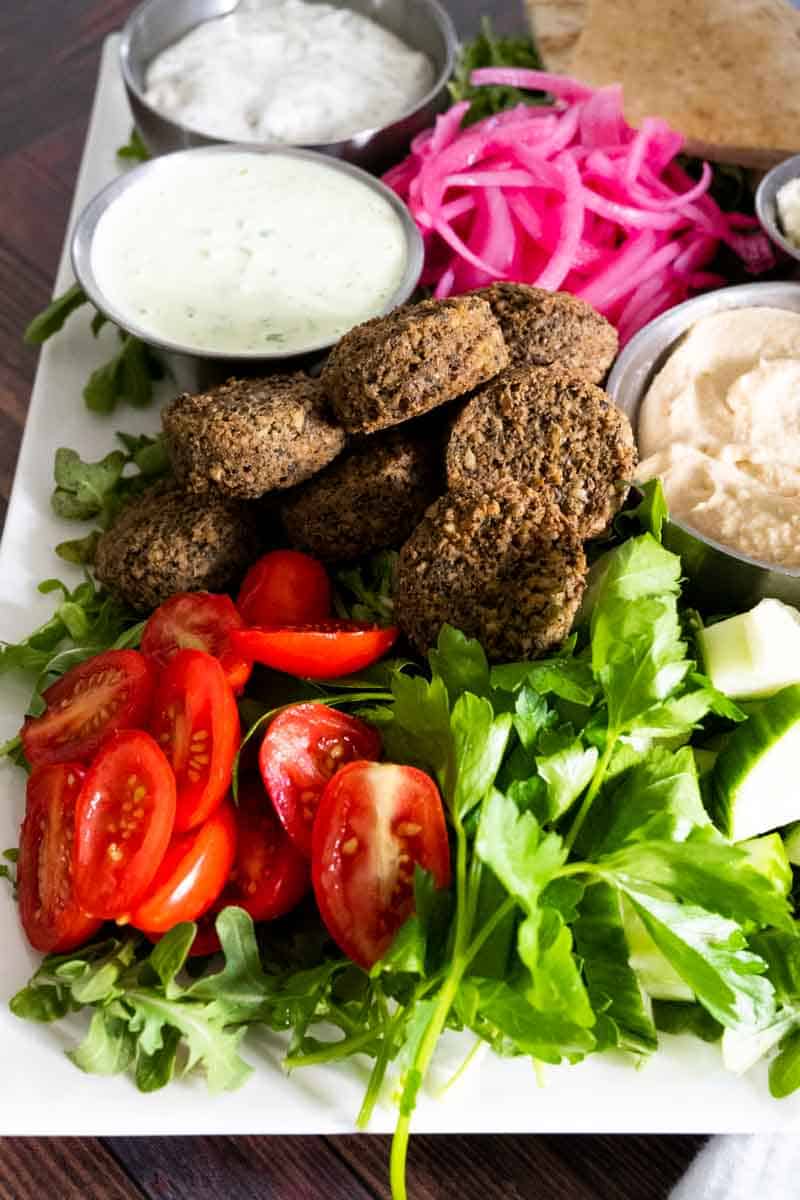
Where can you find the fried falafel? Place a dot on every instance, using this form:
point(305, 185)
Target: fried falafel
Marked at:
point(420, 356)
point(251, 436)
point(545, 431)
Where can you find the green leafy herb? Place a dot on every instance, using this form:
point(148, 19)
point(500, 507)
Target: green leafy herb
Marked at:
point(87, 491)
point(364, 593)
point(134, 149)
point(53, 318)
point(488, 50)
point(128, 376)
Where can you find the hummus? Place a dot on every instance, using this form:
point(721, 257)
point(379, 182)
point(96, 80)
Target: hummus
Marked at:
point(720, 425)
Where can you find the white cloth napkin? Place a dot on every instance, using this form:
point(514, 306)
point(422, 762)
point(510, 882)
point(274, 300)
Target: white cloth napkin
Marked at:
point(752, 1167)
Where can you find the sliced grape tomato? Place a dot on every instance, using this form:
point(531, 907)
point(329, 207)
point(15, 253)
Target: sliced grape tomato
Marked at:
point(322, 650)
point(375, 822)
point(196, 723)
point(303, 747)
point(50, 915)
point(107, 692)
point(196, 621)
point(285, 587)
point(124, 820)
point(192, 874)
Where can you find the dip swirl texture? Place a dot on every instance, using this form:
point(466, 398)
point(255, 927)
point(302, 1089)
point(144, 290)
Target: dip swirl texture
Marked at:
point(720, 425)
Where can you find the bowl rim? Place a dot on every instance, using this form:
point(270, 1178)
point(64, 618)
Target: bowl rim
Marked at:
point(358, 136)
point(764, 193)
point(86, 225)
point(678, 321)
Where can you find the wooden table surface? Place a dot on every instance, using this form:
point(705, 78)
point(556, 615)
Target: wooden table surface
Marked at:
point(49, 54)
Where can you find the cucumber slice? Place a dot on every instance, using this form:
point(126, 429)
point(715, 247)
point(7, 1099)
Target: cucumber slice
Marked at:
point(656, 974)
point(755, 654)
point(754, 784)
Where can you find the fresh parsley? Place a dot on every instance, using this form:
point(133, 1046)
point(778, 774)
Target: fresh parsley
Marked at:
point(489, 50)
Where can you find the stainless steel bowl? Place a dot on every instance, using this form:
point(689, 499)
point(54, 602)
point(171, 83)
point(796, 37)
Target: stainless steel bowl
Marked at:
point(717, 575)
point(767, 202)
point(422, 24)
point(89, 219)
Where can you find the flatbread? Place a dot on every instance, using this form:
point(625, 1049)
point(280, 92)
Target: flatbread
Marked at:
point(726, 73)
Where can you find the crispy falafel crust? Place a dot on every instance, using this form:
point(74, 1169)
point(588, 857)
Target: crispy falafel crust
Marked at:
point(545, 431)
point(506, 572)
point(369, 499)
point(251, 436)
point(169, 541)
point(422, 355)
point(545, 328)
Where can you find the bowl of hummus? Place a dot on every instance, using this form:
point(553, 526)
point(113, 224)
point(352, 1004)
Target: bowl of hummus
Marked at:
point(712, 390)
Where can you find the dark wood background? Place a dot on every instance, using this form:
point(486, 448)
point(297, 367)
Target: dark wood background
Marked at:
point(49, 53)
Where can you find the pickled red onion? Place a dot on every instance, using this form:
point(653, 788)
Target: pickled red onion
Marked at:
point(568, 195)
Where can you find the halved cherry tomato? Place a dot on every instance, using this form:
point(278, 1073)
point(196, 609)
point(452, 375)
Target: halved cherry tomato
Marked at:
point(108, 692)
point(123, 823)
point(52, 919)
point(270, 876)
point(303, 747)
point(324, 650)
point(196, 621)
point(285, 587)
point(196, 723)
point(374, 822)
point(192, 874)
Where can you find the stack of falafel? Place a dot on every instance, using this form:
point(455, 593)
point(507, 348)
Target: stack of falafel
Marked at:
point(470, 432)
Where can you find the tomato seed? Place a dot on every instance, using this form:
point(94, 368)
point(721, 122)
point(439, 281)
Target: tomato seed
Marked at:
point(408, 829)
point(350, 846)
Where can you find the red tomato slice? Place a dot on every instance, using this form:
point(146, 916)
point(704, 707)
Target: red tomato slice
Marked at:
point(196, 621)
point(196, 723)
point(324, 650)
point(108, 692)
point(303, 747)
point(123, 823)
point(270, 876)
point(52, 919)
point(285, 587)
point(192, 874)
point(375, 821)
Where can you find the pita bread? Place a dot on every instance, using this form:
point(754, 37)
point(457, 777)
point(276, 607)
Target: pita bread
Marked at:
point(726, 73)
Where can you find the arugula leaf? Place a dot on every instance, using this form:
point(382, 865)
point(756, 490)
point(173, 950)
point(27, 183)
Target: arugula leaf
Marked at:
point(109, 1047)
point(134, 149)
point(487, 50)
point(53, 318)
point(128, 376)
point(11, 856)
point(86, 490)
point(241, 990)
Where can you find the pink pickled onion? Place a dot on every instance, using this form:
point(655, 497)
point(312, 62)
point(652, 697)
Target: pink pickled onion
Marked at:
point(567, 194)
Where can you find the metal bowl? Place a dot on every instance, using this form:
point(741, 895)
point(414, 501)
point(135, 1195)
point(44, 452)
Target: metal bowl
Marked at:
point(422, 24)
point(717, 575)
point(767, 202)
point(83, 236)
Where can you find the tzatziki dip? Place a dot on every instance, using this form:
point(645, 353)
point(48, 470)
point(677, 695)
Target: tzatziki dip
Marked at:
point(238, 252)
point(720, 424)
point(284, 71)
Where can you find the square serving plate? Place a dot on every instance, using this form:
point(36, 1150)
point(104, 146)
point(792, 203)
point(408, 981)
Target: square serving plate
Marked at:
point(683, 1089)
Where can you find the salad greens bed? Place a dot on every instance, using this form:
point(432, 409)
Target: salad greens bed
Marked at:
point(584, 868)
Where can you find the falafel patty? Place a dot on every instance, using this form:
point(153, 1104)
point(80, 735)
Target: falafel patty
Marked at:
point(509, 574)
point(546, 328)
point(545, 430)
point(251, 436)
point(169, 541)
point(393, 368)
point(370, 498)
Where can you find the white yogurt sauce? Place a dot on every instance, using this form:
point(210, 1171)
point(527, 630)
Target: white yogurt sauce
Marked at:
point(289, 72)
point(243, 252)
